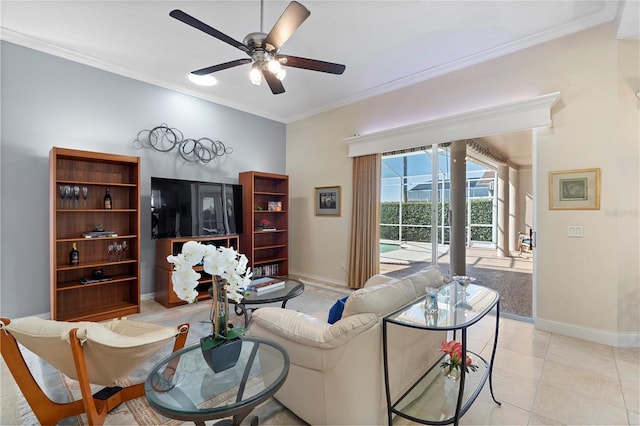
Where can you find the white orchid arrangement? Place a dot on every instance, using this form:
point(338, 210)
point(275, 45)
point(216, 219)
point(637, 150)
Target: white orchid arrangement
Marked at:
point(224, 262)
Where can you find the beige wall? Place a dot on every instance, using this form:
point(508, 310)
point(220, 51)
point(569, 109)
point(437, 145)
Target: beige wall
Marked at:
point(586, 287)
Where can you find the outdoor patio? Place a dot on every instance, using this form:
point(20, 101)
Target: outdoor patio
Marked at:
point(510, 276)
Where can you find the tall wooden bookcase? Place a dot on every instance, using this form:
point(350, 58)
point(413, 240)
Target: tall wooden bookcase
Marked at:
point(172, 246)
point(266, 249)
point(71, 300)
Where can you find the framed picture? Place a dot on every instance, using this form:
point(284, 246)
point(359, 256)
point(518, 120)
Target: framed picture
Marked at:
point(327, 201)
point(574, 190)
point(274, 206)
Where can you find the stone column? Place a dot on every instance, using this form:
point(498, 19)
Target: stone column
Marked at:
point(503, 211)
point(513, 209)
point(457, 197)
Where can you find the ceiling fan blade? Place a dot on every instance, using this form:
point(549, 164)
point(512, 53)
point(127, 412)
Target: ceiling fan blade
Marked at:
point(311, 64)
point(220, 67)
point(292, 17)
point(197, 24)
point(274, 84)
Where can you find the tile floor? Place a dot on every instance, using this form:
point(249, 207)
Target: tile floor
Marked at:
point(547, 379)
point(541, 379)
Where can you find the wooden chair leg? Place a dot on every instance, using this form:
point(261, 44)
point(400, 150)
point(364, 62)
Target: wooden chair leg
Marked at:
point(181, 338)
point(46, 411)
point(95, 411)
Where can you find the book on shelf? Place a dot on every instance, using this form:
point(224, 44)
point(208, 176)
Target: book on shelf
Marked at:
point(100, 234)
point(265, 284)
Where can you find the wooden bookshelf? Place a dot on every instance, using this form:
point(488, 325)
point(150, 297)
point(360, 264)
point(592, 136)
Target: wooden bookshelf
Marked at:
point(267, 250)
point(70, 218)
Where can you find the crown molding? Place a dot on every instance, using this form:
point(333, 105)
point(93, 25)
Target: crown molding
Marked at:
point(606, 14)
point(509, 117)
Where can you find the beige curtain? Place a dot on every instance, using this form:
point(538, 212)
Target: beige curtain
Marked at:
point(364, 254)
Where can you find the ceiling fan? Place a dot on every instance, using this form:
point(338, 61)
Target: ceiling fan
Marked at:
point(264, 49)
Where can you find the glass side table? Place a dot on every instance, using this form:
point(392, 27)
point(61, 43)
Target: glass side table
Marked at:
point(433, 394)
point(292, 288)
point(183, 387)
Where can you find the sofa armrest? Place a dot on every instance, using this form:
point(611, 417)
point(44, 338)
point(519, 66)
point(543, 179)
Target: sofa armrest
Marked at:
point(311, 331)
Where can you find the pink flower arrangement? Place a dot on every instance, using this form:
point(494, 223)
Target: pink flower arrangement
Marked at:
point(454, 350)
point(264, 223)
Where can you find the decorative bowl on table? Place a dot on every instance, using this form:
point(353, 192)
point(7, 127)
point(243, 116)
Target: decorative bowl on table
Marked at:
point(464, 281)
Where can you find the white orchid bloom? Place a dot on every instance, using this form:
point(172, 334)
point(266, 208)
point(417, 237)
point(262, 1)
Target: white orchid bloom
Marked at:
point(223, 262)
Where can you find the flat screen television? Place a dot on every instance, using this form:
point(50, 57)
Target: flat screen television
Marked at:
point(186, 208)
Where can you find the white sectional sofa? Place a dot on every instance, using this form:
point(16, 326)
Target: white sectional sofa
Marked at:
point(336, 375)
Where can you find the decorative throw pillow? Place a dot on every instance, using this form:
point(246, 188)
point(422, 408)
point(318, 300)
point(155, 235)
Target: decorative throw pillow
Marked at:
point(335, 313)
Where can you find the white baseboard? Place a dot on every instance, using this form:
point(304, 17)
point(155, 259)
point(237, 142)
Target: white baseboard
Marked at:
point(147, 296)
point(318, 278)
point(605, 337)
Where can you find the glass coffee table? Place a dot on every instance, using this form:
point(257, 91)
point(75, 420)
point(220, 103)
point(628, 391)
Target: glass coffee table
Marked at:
point(292, 288)
point(183, 386)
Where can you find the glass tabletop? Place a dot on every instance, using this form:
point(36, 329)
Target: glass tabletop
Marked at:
point(184, 387)
point(457, 308)
point(291, 289)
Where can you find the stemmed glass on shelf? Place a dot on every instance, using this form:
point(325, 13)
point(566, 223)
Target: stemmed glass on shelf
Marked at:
point(118, 249)
point(110, 250)
point(67, 195)
point(62, 195)
point(76, 195)
point(85, 193)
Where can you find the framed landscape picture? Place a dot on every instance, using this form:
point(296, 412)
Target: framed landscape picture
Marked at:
point(574, 190)
point(327, 200)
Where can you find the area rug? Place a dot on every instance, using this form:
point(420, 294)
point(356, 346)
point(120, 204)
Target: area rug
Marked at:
point(514, 287)
point(316, 300)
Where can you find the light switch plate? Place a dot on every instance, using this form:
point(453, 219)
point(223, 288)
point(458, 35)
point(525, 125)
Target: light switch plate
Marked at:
point(575, 231)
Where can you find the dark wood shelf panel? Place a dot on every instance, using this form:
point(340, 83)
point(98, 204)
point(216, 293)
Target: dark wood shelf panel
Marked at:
point(164, 293)
point(105, 211)
point(72, 285)
point(95, 239)
point(107, 311)
point(270, 247)
point(269, 260)
point(94, 183)
point(274, 194)
point(92, 265)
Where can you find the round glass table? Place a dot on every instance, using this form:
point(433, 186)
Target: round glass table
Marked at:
point(292, 288)
point(183, 386)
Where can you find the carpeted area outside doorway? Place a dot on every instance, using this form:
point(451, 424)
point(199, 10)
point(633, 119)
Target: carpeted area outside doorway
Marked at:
point(511, 276)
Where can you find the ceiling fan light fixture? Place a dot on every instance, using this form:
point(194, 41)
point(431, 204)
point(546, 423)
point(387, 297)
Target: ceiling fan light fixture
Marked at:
point(274, 66)
point(255, 75)
point(280, 75)
point(203, 80)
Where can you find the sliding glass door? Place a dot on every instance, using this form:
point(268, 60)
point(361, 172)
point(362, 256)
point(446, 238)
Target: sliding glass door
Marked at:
point(414, 208)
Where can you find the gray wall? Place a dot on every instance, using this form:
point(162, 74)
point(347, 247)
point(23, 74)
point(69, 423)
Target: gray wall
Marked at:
point(47, 101)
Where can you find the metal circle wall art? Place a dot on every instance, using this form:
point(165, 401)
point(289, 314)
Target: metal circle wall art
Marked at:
point(163, 138)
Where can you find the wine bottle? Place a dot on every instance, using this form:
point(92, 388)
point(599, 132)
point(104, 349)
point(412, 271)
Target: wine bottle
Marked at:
point(74, 255)
point(108, 204)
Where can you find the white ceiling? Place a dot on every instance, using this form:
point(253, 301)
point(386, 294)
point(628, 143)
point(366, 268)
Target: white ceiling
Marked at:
point(384, 44)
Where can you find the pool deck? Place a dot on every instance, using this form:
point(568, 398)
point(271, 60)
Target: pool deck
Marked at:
point(479, 255)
